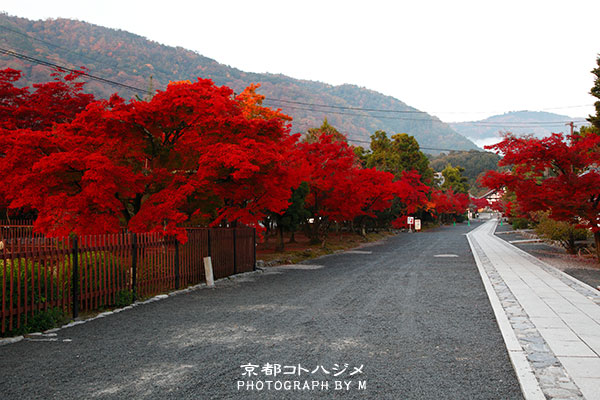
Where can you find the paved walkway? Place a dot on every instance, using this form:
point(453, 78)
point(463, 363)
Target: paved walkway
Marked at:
point(550, 322)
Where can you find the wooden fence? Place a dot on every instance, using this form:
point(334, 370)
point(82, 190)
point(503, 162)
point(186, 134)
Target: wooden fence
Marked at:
point(91, 272)
point(16, 222)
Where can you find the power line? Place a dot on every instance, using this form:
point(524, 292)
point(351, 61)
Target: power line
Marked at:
point(63, 68)
point(272, 99)
point(100, 79)
point(521, 124)
point(432, 119)
point(420, 147)
point(68, 51)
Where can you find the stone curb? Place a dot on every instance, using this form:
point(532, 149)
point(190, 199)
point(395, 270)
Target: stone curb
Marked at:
point(527, 380)
point(10, 340)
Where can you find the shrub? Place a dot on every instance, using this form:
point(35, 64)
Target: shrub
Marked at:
point(520, 223)
point(41, 321)
point(45, 320)
point(563, 232)
point(123, 298)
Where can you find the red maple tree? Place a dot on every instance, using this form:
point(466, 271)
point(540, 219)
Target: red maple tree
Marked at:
point(448, 205)
point(191, 151)
point(330, 170)
point(47, 104)
point(558, 173)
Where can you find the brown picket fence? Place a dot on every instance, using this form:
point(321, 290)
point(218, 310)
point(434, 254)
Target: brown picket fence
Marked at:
point(16, 222)
point(92, 272)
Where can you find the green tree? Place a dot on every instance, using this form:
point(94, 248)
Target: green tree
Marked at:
point(454, 179)
point(476, 163)
point(398, 154)
point(595, 119)
point(295, 214)
point(313, 134)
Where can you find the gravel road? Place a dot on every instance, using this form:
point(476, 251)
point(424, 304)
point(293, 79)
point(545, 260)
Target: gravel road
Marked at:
point(408, 325)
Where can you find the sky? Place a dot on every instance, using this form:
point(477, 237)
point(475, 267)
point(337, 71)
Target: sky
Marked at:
point(458, 60)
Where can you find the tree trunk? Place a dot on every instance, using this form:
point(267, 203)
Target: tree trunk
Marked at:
point(280, 243)
point(314, 232)
point(292, 237)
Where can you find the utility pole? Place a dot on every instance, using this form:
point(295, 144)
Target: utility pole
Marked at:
point(572, 125)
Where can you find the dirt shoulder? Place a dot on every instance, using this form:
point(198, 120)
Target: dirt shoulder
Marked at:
point(302, 250)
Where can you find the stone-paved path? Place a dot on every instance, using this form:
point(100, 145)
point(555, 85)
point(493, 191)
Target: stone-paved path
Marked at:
point(550, 322)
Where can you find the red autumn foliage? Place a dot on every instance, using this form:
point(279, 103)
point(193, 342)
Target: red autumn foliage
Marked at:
point(190, 150)
point(330, 174)
point(479, 203)
point(49, 103)
point(449, 202)
point(558, 173)
point(193, 152)
point(340, 190)
point(411, 191)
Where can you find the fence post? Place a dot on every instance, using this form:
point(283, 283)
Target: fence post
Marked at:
point(234, 253)
point(209, 249)
point(176, 264)
point(133, 265)
point(75, 284)
point(254, 247)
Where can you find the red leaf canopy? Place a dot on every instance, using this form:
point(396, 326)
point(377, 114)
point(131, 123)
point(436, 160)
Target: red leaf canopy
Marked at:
point(192, 150)
point(560, 174)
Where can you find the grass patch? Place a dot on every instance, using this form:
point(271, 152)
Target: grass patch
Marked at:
point(41, 321)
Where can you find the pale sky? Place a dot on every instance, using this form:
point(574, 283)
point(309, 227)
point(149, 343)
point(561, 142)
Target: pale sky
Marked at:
point(459, 60)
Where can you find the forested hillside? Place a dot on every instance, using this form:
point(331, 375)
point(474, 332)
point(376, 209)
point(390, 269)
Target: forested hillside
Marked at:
point(133, 60)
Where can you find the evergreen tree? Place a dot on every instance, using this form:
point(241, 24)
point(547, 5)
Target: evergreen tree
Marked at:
point(295, 214)
point(595, 119)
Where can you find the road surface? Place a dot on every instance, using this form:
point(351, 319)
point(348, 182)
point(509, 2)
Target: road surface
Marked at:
point(405, 319)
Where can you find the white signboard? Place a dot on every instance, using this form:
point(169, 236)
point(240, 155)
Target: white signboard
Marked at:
point(417, 224)
point(410, 220)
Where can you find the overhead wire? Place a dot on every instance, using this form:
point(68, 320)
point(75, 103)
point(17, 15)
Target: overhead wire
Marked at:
point(68, 51)
point(63, 68)
point(285, 101)
point(117, 65)
point(91, 76)
point(420, 147)
point(314, 106)
point(272, 99)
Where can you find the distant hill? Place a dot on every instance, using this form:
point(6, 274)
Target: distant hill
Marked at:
point(131, 59)
point(540, 124)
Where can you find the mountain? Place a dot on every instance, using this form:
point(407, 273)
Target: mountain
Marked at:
point(538, 123)
point(136, 61)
